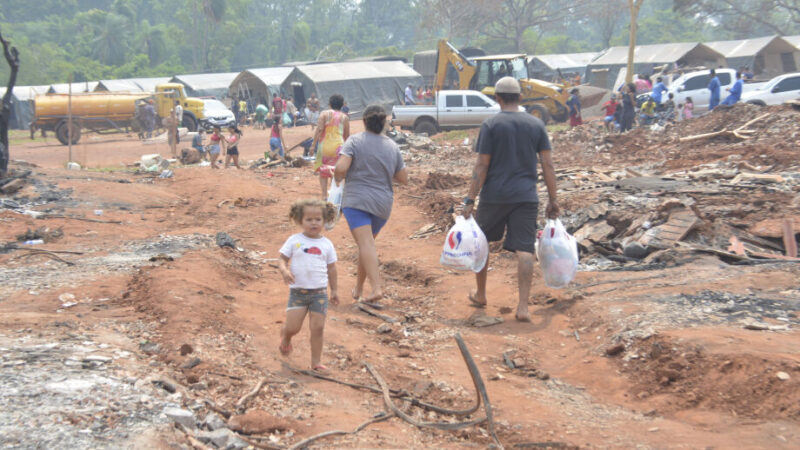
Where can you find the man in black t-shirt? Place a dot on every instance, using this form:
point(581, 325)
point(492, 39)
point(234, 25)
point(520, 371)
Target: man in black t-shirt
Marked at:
point(509, 146)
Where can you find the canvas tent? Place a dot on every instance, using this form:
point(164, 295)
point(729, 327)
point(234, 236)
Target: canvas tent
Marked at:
point(361, 83)
point(768, 56)
point(425, 64)
point(78, 86)
point(257, 85)
point(148, 84)
point(206, 84)
point(117, 86)
point(22, 105)
point(603, 70)
point(794, 40)
point(547, 67)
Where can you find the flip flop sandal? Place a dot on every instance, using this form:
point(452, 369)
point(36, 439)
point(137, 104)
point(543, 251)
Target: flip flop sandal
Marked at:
point(320, 368)
point(475, 303)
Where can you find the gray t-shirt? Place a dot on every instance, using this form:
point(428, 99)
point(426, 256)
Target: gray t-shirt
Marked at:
point(368, 185)
point(514, 140)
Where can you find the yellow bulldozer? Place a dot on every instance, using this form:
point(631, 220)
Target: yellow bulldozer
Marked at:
point(544, 100)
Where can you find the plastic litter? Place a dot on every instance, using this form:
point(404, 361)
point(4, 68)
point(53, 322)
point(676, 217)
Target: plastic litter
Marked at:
point(557, 252)
point(335, 194)
point(465, 246)
point(166, 174)
point(33, 242)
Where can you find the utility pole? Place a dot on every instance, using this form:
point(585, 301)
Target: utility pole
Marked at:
point(634, 6)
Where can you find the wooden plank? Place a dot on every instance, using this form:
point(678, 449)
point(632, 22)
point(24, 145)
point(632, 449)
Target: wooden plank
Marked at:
point(680, 223)
point(789, 243)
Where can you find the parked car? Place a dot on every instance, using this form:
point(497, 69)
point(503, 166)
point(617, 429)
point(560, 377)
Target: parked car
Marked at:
point(775, 91)
point(216, 114)
point(695, 85)
point(452, 110)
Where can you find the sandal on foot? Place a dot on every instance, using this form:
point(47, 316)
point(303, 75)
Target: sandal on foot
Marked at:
point(475, 303)
point(320, 368)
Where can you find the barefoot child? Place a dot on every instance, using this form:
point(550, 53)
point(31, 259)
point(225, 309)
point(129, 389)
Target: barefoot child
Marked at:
point(313, 268)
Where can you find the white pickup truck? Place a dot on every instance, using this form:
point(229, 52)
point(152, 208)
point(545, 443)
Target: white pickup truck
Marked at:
point(695, 85)
point(452, 110)
point(775, 91)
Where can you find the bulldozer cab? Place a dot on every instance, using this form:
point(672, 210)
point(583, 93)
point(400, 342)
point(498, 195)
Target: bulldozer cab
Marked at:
point(492, 68)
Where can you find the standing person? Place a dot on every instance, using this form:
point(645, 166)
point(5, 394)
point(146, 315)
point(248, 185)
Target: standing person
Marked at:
point(139, 119)
point(641, 84)
point(149, 118)
point(215, 142)
point(420, 94)
point(179, 112)
point(312, 109)
point(735, 91)
point(409, 95)
point(276, 142)
point(232, 144)
point(747, 74)
point(688, 108)
point(235, 109)
point(332, 131)
point(369, 163)
point(171, 124)
point(628, 107)
point(658, 91)
point(714, 87)
point(574, 104)
point(610, 107)
point(509, 146)
point(277, 105)
point(312, 259)
point(243, 111)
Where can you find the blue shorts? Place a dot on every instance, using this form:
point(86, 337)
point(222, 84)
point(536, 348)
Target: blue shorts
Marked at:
point(609, 118)
point(214, 149)
point(358, 218)
point(275, 144)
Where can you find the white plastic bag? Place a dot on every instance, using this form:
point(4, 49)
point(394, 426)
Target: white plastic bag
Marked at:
point(335, 194)
point(557, 252)
point(465, 246)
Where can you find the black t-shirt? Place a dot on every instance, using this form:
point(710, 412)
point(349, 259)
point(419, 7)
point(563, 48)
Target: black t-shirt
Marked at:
point(514, 140)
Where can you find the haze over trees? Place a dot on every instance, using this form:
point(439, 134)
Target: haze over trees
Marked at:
point(103, 39)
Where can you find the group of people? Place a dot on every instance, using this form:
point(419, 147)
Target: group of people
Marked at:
point(219, 145)
point(420, 96)
point(509, 147)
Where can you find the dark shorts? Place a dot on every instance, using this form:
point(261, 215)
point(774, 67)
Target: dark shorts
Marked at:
point(357, 218)
point(233, 151)
point(516, 220)
point(315, 300)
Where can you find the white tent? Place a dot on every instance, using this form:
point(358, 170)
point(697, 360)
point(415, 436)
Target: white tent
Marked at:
point(770, 55)
point(117, 86)
point(206, 84)
point(257, 85)
point(361, 83)
point(81, 86)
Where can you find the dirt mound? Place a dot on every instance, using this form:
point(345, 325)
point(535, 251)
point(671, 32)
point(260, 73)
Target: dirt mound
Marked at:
point(440, 207)
point(441, 180)
point(399, 271)
point(676, 378)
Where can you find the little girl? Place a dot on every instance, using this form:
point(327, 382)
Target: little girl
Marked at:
point(233, 140)
point(688, 108)
point(213, 149)
point(313, 268)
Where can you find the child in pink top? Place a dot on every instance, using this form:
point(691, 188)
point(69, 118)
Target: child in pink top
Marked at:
point(688, 108)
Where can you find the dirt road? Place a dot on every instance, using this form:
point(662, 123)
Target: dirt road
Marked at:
point(647, 357)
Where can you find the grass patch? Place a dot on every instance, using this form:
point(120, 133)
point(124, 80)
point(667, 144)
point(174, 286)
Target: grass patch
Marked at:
point(111, 169)
point(453, 135)
point(19, 137)
point(557, 127)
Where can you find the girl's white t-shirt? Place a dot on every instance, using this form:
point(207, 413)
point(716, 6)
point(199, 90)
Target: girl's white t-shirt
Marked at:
point(309, 259)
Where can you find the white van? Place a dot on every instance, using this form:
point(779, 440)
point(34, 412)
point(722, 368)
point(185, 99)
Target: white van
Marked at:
point(695, 85)
point(775, 91)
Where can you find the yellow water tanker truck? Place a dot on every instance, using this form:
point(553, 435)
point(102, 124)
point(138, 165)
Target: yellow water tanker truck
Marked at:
point(102, 112)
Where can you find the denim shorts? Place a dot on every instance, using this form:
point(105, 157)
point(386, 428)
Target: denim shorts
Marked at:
point(315, 300)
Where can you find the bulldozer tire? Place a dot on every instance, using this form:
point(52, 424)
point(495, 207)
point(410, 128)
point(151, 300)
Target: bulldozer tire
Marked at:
point(540, 112)
point(189, 121)
point(425, 126)
point(62, 133)
point(562, 113)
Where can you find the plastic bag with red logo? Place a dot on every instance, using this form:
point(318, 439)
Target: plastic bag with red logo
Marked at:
point(335, 194)
point(465, 246)
point(557, 252)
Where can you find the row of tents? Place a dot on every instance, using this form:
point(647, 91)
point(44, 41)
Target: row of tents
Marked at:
point(766, 56)
point(361, 82)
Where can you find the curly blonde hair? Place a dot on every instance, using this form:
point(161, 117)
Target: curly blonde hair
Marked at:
point(298, 208)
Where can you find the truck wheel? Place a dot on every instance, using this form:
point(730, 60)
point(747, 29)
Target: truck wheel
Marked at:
point(562, 113)
point(189, 121)
point(62, 133)
point(540, 112)
point(425, 126)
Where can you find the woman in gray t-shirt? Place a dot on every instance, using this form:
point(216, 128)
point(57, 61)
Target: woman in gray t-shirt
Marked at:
point(369, 163)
